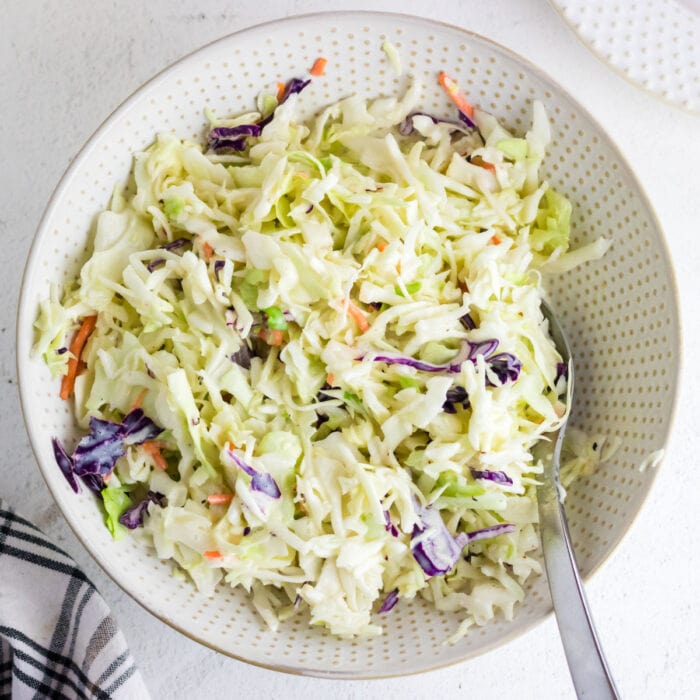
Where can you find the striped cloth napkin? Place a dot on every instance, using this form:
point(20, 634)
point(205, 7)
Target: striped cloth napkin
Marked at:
point(57, 636)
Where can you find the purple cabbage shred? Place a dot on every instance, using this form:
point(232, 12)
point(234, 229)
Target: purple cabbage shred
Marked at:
point(497, 477)
point(432, 546)
point(94, 482)
point(410, 362)
point(485, 348)
point(138, 428)
point(264, 483)
point(463, 117)
point(390, 601)
point(435, 549)
point(65, 464)
point(133, 517)
point(155, 263)
point(562, 371)
point(465, 538)
point(506, 366)
point(406, 128)
point(97, 452)
point(389, 526)
point(294, 86)
point(468, 322)
point(259, 481)
point(455, 395)
point(218, 266)
point(232, 138)
point(177, 243)
point(454, 365)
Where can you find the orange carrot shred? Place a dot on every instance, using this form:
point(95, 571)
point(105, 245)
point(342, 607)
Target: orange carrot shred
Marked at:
point(478, 160)
point(212, 554)
point(276, 337)
point(272, 336)
point(449, 85)
point(358, 316)
point(208, 251)
point(319, 67)
point(152, 448)
point(219, 498)
point(330, 379)
point(138, 400)
point(76, 348)
point(280, 91)
point(494, 240)
point(381, 246)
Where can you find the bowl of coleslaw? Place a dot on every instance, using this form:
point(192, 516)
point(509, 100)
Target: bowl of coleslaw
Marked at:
point(281, 354)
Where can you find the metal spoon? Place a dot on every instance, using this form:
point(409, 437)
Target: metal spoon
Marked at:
point(587, 665)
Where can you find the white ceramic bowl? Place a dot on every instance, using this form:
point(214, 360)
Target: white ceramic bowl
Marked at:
point(621, 312)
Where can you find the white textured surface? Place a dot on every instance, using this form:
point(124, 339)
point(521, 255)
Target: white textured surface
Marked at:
point(62, 71)
point(653, 43)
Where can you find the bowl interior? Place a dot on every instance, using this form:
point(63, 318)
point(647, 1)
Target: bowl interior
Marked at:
point(620, 312)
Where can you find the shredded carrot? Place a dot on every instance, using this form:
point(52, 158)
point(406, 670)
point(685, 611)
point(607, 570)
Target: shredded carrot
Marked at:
point(230, 446)
point(381, 246)
point(219, 498)
point(360, 318)
point(319, 67)
point(280, 91)
point(272, 336)
point(212, 554)
point(494, 240)
point(138, 400)
point(152, 448)
point(449, 85)
point(478, 160)
point(76, 348)
point(276, 337)
point(208, 251)
point(330, 379)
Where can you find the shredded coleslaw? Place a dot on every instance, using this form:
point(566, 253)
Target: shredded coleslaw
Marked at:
point(329, 336)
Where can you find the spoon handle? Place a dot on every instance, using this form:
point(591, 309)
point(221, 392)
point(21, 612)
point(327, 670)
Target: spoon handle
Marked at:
point(589, 670)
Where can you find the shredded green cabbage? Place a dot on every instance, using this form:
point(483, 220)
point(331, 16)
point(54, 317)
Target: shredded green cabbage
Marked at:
point(247, 339)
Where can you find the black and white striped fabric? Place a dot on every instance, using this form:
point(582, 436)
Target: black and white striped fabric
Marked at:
point(57, 636)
